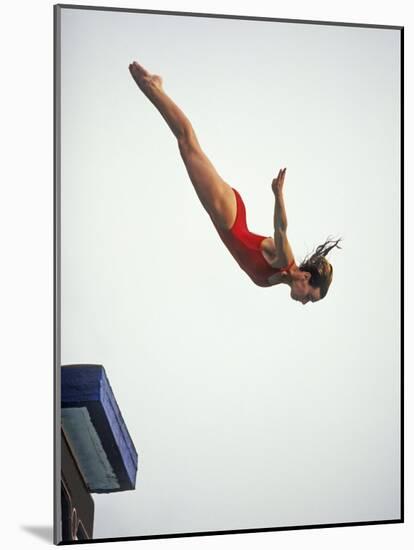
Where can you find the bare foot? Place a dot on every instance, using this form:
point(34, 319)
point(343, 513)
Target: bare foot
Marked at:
point(145, 81)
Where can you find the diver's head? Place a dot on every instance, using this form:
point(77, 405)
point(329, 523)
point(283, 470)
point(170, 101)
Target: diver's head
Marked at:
point(311, 281)
point(300, 288)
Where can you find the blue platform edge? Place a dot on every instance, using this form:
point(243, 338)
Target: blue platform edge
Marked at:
point(88, 386)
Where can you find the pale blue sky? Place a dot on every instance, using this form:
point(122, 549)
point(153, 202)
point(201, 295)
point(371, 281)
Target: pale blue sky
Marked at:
point(247, 409)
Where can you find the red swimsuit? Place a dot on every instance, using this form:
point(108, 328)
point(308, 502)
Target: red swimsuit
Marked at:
point(244, 246)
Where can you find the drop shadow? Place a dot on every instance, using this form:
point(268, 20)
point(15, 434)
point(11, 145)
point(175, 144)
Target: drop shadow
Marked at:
point(44, 532)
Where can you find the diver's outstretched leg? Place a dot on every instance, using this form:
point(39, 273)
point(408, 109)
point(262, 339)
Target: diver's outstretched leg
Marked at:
point(215, 194)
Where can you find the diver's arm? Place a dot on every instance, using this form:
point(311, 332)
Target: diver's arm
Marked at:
point(279, 218)
point(284, 254)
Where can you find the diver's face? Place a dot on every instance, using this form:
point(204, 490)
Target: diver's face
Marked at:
point(302, 291)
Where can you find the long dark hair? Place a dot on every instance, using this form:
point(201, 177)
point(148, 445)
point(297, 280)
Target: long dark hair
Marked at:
point(318, 266)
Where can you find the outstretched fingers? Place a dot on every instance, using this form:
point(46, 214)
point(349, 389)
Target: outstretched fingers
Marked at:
point(145, 80)
point(139, 69)
point(138, 73)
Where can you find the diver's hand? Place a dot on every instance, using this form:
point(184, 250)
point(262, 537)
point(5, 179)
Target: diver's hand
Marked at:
point(277, 183)
point(146, 81)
